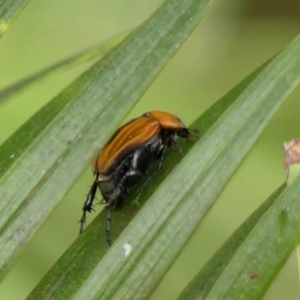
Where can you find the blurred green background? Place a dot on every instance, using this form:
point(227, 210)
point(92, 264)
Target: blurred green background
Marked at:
point(233, 40)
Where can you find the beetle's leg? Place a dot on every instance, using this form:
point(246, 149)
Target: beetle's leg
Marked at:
point(111, 204)
point(107, 229)
point(88, 204)
point(174, 142)
point(161, 155)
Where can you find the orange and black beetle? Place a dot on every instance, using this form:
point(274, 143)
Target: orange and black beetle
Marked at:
point(126, 158)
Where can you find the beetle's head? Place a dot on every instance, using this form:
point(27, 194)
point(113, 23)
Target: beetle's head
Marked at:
point(185, 132)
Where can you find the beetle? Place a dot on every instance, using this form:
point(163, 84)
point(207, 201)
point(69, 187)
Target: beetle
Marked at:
point(126, 158)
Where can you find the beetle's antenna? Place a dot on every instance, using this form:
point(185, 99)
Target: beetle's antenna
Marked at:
point(196, 131)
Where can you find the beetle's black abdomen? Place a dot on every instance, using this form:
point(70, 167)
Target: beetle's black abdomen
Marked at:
point(129, 172)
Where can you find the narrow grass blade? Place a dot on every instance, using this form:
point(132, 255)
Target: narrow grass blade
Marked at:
point(167, 220)
point(264, 252)
point(207, 277)
point(8, 12)
point(84, 56)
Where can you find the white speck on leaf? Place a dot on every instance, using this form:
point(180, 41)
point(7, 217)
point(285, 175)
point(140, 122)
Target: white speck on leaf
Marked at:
point(127, 249)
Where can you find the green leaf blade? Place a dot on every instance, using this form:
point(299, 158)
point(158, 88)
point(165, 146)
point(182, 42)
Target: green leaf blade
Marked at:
point(264, 252)
point(207, 277)
point(82, 57)
point(8, 12)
